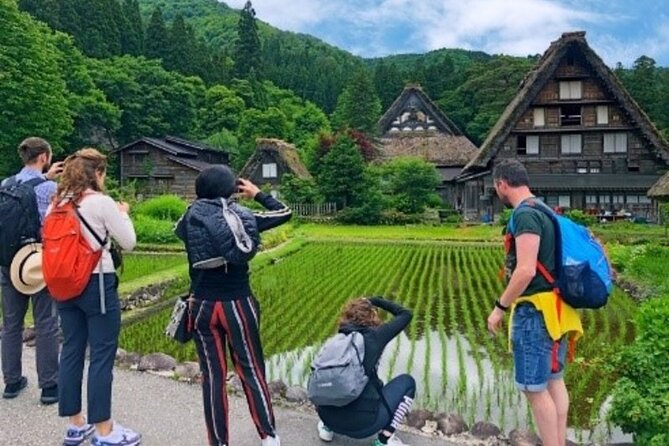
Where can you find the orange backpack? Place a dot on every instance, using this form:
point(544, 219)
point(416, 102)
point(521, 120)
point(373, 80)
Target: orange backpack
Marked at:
point(68, 259)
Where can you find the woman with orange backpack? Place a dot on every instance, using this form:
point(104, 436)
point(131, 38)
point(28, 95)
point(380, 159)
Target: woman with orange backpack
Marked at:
point(80, 273)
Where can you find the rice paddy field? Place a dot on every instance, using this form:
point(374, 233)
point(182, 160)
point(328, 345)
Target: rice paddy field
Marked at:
point(450, 288)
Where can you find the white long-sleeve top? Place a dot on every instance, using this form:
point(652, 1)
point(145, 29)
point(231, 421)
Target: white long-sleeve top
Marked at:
point(103, 215)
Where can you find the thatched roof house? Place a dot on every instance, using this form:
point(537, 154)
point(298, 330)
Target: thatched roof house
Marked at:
point(537, 79)
point(660, 191)
point(584, 140)
point(273, 159)
point(415, 126)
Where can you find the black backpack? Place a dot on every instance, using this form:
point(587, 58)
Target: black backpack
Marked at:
point(19, 217)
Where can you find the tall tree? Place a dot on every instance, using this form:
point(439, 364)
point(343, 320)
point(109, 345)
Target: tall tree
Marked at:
point(101, 36)
point(358, 106)
point(342, 173)
point(157, 39)
point(33, 93)
point(182, 47)
point(247, 50)
point(47, 11)
point(69, 19)
point(388, 82)
point(95, 119)
point(133, 36)
point(221, 109)
point(476, 104)
point(438, 76)
point(154, 101)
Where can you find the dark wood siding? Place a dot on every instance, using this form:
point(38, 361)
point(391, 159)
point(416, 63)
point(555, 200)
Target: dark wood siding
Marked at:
point(154, 173)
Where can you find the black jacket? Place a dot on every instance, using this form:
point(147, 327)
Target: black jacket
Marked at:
point(229, 281)
point(209, 240)
point(364, 410)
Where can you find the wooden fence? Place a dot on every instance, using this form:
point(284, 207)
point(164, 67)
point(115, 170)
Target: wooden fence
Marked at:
point(314, 209)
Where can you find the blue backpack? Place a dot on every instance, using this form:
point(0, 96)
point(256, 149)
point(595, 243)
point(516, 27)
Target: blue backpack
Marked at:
point(584, 276)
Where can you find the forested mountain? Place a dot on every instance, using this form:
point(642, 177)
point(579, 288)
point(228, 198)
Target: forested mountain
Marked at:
point(223, 76)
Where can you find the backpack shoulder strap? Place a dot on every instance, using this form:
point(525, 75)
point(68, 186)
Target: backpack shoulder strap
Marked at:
point(374, 378)
point(34, 182)
point(9, 182)
point(102, 242)
point(547, 211)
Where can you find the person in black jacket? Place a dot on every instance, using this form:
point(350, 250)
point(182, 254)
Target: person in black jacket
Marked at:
point(379, 409)
point(224, 309)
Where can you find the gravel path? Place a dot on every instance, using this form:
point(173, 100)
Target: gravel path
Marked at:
point(166, 412)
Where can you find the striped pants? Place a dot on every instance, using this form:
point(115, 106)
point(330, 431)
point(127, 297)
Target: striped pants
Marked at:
point(235, 324)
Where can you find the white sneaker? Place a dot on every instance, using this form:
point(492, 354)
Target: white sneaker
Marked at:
point(395, 441)
point(271, 441)
point(324, 433)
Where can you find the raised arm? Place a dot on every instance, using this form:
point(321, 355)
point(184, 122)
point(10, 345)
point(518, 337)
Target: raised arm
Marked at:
point(277, 213)
point(118, 223)
point(400, 321)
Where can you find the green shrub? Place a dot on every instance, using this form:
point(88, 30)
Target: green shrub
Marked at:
point(165, 207)
point(395, 217)
point(453, 219)
point(505, 216)
point(153, 230)
point(367, 214)
point(580, 217)
point(127, 193)
point(641, 396)
point(272, 239)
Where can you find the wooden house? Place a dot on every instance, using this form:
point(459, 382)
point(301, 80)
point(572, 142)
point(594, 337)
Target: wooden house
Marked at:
point(659, 193)
point(660, 190)
point(584, 140)
point(272, 160)
point(415, 126)
point(166, 165)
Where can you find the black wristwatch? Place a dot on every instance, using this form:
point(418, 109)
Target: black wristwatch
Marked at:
point(499, 305)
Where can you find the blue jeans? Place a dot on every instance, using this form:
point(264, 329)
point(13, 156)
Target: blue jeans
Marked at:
point(532, 350)
point(83, 323)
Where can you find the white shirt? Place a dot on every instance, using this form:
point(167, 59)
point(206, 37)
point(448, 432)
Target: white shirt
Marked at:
point(103, 215)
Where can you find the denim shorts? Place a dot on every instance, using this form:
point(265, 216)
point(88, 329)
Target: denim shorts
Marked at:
point(532, 349)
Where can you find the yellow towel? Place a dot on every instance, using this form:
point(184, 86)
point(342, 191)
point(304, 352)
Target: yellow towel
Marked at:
point(568, 322)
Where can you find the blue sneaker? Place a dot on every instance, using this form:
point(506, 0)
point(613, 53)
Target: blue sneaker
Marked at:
point(76, 435)
point(119, 436)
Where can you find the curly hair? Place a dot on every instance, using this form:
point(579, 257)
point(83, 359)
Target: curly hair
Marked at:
point(360, 312)
point(80, 174)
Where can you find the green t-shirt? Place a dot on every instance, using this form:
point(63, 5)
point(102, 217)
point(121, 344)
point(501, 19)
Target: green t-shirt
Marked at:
point(527, 220)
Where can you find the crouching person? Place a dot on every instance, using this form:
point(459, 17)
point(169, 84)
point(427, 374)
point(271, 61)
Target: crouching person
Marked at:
point(354, 402)
point(221, 237)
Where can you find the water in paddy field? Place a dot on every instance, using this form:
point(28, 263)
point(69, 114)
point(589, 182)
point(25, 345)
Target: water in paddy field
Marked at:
point(451, 376)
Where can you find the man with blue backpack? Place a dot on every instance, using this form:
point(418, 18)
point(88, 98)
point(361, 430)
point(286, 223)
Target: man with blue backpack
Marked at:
point(24, 199)
point(553, 267)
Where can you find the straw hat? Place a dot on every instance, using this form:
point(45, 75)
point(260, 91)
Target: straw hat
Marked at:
point(26, 270)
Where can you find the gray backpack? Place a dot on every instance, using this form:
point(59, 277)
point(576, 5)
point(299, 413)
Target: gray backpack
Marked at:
point(338, 376)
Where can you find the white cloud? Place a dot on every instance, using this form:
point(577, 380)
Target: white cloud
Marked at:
point(520, 27)
point(517, 27)
point(613, 50)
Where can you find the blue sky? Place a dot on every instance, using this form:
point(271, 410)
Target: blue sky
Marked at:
point(619, 30)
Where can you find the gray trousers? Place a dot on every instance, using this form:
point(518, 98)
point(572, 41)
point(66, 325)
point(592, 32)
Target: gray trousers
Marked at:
point(14, 308)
